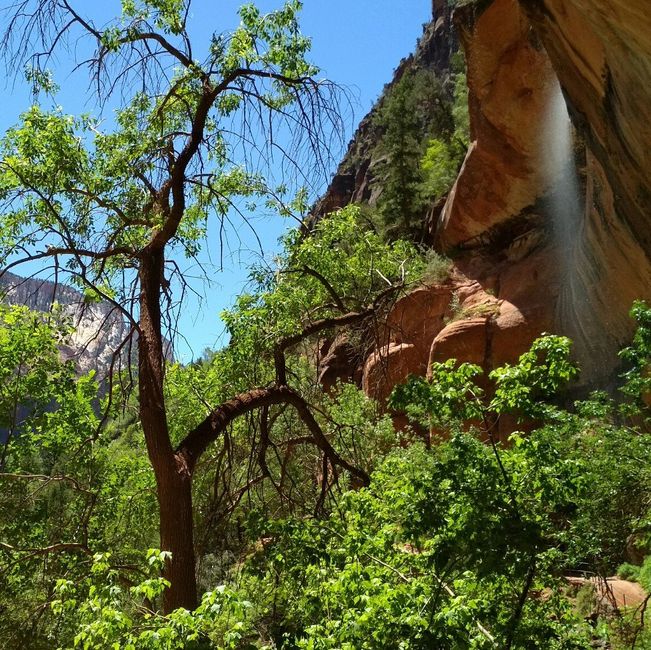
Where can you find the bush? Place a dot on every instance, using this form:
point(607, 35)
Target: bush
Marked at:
point(437, 267)
point(628, 571)
point(644, 575)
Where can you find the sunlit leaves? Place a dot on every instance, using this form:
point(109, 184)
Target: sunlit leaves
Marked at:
point(339, 257)
point(452, 393)
point(92, 185)
point(100, 612)
point(450, 396)
point(427, 556)
point(637, 378)
point(539, 375)
point(286, 46)
point(439, 168)
point(167, 15)
point(30, 366)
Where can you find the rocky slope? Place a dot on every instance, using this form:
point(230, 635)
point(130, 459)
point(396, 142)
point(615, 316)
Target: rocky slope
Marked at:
point(356, 179)
point(548, 223)
point(99, 328)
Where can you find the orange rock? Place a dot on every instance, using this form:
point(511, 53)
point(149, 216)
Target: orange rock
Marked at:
point(340, 362)
point(464, 340)
point(390, 366)
point(612, 593)
point(510, 80)
point(418, 316)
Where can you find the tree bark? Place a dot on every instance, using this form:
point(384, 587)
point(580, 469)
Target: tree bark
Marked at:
point(173, 469)
point(176, 536)
point(173, 475)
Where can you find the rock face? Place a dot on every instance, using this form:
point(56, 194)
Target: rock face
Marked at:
point(599, 52)
point(611, 594)
point(523, 264)
point(488, 313)
point(512, 84)
point(99, 328)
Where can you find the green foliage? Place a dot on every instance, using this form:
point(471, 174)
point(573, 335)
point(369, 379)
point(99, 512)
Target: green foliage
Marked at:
point(429, 556)
point(443, 157)
point(637, 356)
point(67, 487)
point(101, 612)
point(641, 574)
point(460, 112)
point(90, 189)
point(401, 205)
point(424, 137)
point(437, 267)
point(338, 257)
point(539, 375)
point(628, 571)
point(644, 576)
point(452, 395)
point(339, 269)
point(416, 108)
point(439, 169)
point(29, 362)
point(450, 547)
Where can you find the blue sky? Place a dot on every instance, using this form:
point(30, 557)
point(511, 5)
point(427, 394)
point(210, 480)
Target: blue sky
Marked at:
point(356, 43)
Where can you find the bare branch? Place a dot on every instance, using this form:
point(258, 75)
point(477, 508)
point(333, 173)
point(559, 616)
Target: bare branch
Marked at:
point(47, 479)
point(197, 441)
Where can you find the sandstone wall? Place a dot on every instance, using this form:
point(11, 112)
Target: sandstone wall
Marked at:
point(518, 271)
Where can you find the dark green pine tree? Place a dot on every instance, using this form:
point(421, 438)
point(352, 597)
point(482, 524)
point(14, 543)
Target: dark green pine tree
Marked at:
point(401, 203)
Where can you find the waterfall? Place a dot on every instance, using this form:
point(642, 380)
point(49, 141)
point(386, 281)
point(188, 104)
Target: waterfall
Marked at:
point(565, 202)
point(565, 206)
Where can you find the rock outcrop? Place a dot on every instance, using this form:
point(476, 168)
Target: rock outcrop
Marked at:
point(611, 594)
point(355, 180)
point(512, 84)
point(487, 313)
point(599, 53)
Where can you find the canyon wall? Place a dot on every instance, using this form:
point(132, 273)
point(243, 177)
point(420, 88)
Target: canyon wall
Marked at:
point(356, 180)
point(548, 224)
point(99, 330)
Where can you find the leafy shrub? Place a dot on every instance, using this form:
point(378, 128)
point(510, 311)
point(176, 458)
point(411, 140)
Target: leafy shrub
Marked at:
point(644, 575)
point(437, 267)
point(628, 571)
point(100, 612)
point(460, 546)
point(439, 169)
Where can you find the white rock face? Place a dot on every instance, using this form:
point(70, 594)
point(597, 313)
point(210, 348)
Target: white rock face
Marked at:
point(100, 328)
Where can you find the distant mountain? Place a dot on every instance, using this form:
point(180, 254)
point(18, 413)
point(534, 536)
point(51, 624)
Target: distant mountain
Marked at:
point(99, 327)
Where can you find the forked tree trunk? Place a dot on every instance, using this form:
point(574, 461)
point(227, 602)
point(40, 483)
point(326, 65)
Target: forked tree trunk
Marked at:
point(173, 469)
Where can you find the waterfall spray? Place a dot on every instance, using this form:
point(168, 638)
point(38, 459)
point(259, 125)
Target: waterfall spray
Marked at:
point(560, 167)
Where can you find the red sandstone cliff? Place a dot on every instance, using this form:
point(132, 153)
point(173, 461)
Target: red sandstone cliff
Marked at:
point(528, 257)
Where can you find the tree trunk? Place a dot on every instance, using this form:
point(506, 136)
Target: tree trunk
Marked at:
point(173, 475)
point(176, 536)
